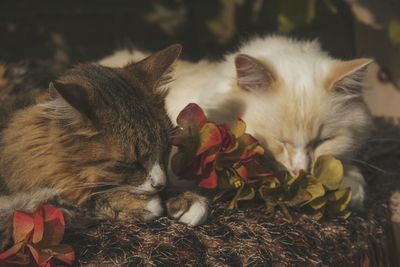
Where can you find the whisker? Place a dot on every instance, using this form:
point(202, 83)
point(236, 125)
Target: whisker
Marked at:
point(371, 166)
point(115, 189)
point(383, 140)
point(121, 188)
point(94, 185)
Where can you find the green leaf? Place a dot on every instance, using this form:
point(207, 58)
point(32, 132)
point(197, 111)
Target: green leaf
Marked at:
point(306, 195)
point(317, 203)
point(339, 201)
point(344, 214)
point(248, 193)
point(329, 171)
point(219, 195)
point(339, 194)
point(394, 29)
point(288, 213)
point(316, 215)
point(293, 14)
point(233, 203)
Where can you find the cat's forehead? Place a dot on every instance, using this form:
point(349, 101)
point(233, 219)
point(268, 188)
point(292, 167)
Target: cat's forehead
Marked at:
point(138, 143)
point(125, 111)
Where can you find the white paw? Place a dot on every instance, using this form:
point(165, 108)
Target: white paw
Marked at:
point(196, 214)
point(356, 182)
point(153, 209)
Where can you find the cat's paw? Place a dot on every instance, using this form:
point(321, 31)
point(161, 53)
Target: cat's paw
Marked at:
point(124, 206)
point(189, 208)
point(153, 209)
point(355, 180)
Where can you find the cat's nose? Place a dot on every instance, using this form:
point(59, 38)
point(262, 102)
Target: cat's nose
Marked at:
point(157, 185)
point(301, 161)
point(158, 178)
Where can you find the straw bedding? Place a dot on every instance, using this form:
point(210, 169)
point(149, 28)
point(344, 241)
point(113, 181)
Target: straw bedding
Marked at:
point(251, 236)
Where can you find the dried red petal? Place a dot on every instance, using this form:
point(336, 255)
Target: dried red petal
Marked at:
point(192, 114)
point(242, 171)
point(22, 226)
point(4, 256)
point(49, 226)
point(41, 256)
point(64, 253)
point(228, 139)
point(210, 182)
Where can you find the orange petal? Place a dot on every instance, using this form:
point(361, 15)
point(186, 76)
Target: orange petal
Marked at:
point(39, 226)
point(11, 251)
point(209, 137)
point(239, 129)
point(22, 226)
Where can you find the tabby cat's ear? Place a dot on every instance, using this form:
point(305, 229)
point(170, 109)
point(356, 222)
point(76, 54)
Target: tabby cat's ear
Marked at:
point(252, 75)
point(74, 95)
point(154, 69)
point(347, 76)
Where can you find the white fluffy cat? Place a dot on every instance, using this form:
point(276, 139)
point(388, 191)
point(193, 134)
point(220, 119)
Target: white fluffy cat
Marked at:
point(295, 99)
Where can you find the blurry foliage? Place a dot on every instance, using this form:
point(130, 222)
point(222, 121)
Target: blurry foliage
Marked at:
point(206, 28)
point(394, 30)
point(293, 14)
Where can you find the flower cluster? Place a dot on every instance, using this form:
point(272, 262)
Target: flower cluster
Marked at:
point(216, 156)
point(37, 240)
point(233, 163)
point(317, 194)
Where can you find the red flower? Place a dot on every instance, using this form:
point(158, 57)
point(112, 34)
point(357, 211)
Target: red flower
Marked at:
point(38, 237)
point(208, 151)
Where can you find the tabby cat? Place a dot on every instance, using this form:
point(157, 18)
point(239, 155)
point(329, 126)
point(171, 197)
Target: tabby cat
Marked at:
point(95, 143)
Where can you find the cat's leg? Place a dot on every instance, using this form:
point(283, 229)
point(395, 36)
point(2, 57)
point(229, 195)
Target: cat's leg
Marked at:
point(355, 180)
point(127, 206)
point(189, 208)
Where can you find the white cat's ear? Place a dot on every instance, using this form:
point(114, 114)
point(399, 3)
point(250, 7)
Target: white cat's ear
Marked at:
point(347, 76)
point(153, 70)
point(252, 75)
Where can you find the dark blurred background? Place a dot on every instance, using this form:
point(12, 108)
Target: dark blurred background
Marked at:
point(65, 32)
point(87, 30)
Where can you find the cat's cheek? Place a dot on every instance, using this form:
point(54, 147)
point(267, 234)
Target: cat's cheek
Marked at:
point(153, 209)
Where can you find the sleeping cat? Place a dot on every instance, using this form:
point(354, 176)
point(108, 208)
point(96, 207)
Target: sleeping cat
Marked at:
point(97, 142)
point(295, 99)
